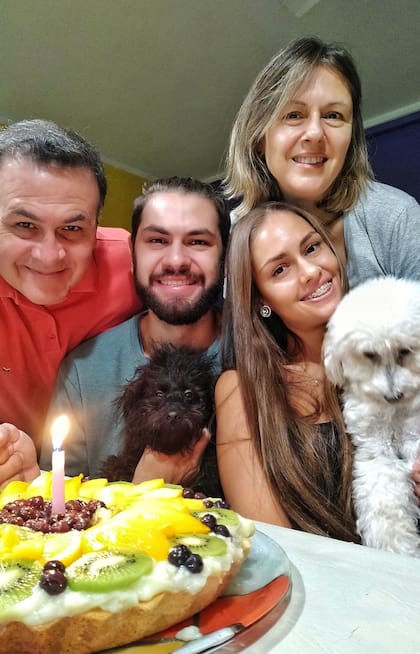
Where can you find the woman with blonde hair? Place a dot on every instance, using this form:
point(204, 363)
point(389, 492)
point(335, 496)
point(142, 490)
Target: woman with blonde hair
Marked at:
point(299, 137)
point(283, 454)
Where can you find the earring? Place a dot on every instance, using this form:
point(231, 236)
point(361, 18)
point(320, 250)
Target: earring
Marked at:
point(265, 311)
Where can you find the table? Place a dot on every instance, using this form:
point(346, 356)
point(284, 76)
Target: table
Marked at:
point(346, 599)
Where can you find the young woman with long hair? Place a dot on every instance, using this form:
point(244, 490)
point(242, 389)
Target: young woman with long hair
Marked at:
point(283, 454)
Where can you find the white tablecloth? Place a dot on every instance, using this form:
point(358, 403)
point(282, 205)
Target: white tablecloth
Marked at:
point(346, 599)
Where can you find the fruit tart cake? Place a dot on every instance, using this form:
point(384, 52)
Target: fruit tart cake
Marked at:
point(123, 562)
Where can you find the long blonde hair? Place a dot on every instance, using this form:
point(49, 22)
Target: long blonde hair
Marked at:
point(247, 175)
point(308, 471)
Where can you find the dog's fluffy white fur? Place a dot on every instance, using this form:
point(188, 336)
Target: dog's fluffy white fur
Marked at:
point(372, 351)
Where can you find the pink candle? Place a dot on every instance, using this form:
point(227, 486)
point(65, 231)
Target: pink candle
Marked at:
point(59, 431)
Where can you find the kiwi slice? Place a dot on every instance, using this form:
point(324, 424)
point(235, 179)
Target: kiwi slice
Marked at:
point(202, 544)
point(17, 579)
point(223, 516)
point(100, 572)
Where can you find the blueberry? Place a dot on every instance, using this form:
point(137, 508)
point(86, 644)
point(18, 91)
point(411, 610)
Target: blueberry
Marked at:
point(178, 555)
point(194, 563)
point(54, 565)
point(221, 504)
point(53, 581)
point(209, 520)
point(221, 530)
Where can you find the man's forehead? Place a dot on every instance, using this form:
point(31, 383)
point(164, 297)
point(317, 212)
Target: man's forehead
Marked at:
point(32, 187)
point(25, 169)
point(178, 209)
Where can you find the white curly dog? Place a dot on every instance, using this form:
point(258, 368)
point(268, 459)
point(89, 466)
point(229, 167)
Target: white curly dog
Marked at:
point(372, 351)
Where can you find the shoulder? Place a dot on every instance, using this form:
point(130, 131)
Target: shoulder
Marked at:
point(227, 383)
point(112, 244)
point(381, 215)
point(380, 196)
point(231, 416)
point(105, 235)
point(108, 343)
point(215, 355)
point(101, 366)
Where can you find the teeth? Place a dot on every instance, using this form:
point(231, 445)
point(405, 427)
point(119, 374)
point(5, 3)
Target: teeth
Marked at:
point(309, 160)
point(319, 291)
point(168, 282)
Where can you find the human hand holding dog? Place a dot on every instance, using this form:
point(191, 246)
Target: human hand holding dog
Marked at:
point(173, 468)
point(18, 460)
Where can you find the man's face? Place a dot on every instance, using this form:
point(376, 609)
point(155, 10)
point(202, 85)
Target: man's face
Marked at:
point(178, 252)
point(47, 227)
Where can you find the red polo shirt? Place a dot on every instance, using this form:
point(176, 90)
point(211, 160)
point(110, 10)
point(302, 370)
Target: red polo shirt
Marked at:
point(34, 338)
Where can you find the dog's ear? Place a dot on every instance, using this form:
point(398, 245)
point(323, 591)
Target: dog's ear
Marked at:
point(332, 361)
point(133, 390)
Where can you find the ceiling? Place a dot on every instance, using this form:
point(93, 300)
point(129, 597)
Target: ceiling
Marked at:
point(156, 83)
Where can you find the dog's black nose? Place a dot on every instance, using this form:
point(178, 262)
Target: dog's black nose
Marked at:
point(172, 414)
point(395, 397)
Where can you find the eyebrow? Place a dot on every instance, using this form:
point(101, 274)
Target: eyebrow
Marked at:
point(19, 211)
point(329, 104)
point(194, 232)
point(281, 255)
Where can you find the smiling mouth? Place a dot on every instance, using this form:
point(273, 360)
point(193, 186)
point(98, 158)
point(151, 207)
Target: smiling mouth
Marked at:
point(176, 282)
point(44, 273)
point(320, 291)
point(310, 159)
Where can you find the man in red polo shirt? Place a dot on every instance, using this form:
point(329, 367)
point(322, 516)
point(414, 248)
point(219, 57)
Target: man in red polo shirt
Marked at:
point(62, 278)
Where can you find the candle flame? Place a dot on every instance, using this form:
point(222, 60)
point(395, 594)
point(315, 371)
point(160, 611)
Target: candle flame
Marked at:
point(59, 430)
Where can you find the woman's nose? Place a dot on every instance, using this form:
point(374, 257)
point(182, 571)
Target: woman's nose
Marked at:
point(309, 270)
point(314, 129)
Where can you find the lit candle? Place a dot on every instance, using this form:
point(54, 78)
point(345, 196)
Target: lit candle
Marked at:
point(59, 431)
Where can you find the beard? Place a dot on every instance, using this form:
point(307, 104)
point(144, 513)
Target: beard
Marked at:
point(181, 311)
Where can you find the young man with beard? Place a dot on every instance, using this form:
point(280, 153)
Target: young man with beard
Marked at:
point(180, 229)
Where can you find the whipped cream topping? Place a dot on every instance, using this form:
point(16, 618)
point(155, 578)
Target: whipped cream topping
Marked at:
point(40, 607)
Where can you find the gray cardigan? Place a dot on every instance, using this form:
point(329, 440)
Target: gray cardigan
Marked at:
point(382, 235)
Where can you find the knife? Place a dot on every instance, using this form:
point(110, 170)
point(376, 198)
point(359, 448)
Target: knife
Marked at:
point(213, 639)
point(243, 611)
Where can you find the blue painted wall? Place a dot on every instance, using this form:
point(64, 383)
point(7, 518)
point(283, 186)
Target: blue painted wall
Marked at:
point(394, 153)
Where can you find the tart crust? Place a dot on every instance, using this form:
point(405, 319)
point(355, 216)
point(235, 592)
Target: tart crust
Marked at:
point(97, 630)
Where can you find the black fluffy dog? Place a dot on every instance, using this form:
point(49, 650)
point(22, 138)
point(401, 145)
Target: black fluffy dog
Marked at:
point(165, 407)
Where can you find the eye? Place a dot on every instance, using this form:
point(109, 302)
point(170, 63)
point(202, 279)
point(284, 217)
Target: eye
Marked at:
point(280, 270)
point(25, 225)
point(372, 356)
point(313, 247)
point(160, 393)
point(24, 229)
point(402, 352)
point(199, 241)
point(73, 232)
point(293, 115)
point(188, 395)
point(334, 115)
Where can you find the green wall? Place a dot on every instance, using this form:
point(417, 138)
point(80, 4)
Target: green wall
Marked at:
point(123, 188)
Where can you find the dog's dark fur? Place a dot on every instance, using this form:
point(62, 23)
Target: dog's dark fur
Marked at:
point(165, 407)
